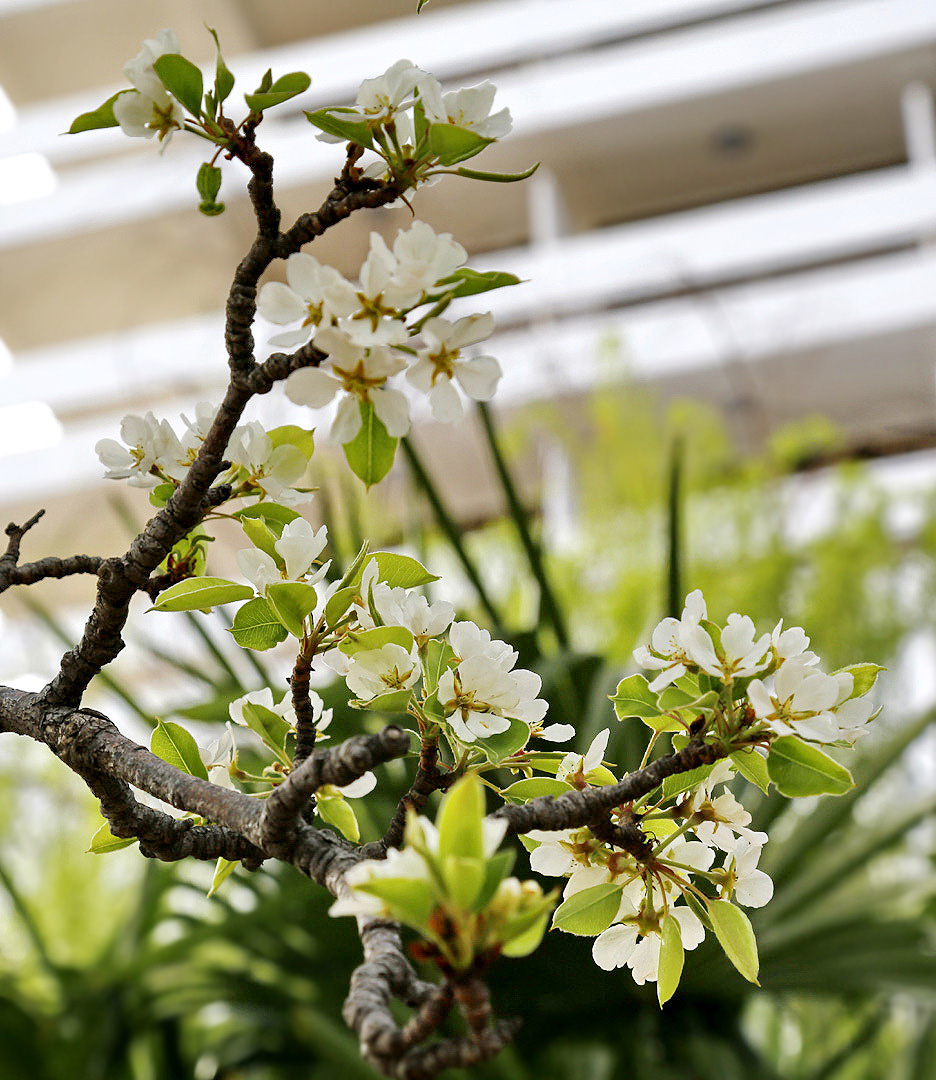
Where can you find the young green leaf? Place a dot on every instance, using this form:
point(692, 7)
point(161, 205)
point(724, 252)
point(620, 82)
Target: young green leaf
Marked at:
point(468, 282)
point(401, 571)
point(262, 536)
point(370, 453)
point(339, 812)
point(285, 87)
point(523, 790)
point(735, 935)
point(208, 182)
point(293, 435)
point(498, 178)
point(864, 675)
point(634, 698)
point(224, 80)
point(270, 726)
point(338, 603)
point(680, 782)
point(407, 899)
point(201, 594)
point(367, 640)
point(799, 769)
point(590, 911)
point(435, 661)
point(223, 870)
point(671, 960)
point(182, 79)
point(291, 602)
point(176, 746)
point(500, 746)
point(460, 830)
point(104, 841)
point(353, 131)
point(498, 866)
point(451, 144)
point(101, 117)
point(256, 627)
point(753, 767)
point(274, 516)
point(393, 702)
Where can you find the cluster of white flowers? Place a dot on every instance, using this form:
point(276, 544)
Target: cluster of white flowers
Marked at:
point(152, 454)
point(789, 695)
point(359, 327)
point(649, 891)
point(388, 102)
point(298, 547)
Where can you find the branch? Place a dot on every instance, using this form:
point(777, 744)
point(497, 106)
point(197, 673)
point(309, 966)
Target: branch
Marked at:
point(575, 809)
point(49, 567)
point(306, 728)
point(337, 765)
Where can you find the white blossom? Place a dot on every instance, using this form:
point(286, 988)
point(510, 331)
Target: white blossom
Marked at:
point(316, 295)
point(468, 108)
point(441, 362)
point(810, 704)
point(669, 643)
point(299, 546)
point(372, 672)
point(149, 109)
point(574, 768)
point(751, 887)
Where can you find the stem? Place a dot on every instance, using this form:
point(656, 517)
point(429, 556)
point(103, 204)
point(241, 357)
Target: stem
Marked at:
point(549, 608)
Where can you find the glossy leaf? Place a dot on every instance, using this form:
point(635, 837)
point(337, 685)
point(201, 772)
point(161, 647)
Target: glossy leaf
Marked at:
point(291, 602)
point(393, 702)
point(497, 867)
point(436, 660)
point(590, 911)
point(175, 745)
point(339, 812)
point(101, 117)
point(524, 790)
point(182, 79)
point(285, 87)
point(680, 782)
point(223, 870)
point(753, 767)
point(451, 144)
point(274, 516)
point(293, 435)
point(262, 537)
point(332, 123)
point(460, 817)
point(408, 899)
point(671, 960)
point(634, 698)
point(368, 640)
point(498, 178)
point(338, 603)
point(735, 935)
point(104, 841)
point(498, 747)
point(256, 627)
point(201, 594)
point(865, 676)
point(799, 769)
point(224, 80)
point(401, 571)
point(270, 726)
point(208, 183)
point(468, 282)
point(370, 453)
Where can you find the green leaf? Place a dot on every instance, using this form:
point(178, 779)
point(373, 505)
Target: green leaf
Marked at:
point(291, 602)
point(182, 79)
point(753, 767)
point(338, 603)
point(104, 841)
point(496, 177)
point(354, 131)
point(420, 5)
point(224, 80)
point(460, 817)
point(526, 940)
point(339, 812)
point(285, 87)
point(401, 571)
point(799, 769)
point(370, 453)
point(262, 536)
point(274, 516)
point(865, 676)
point(223, 870)
point(634, 698)
point(464, 880)
point(451, 144)
point(497, 868)
point(436, 658)
point(680, 782)
point(256, 627)
point(293, 435)
point(735, 935)
point(101, 117)
point(468, 282)
point(353, 574)
point(498, 747)
point(671, 960)
point(394, 702)
point(590, 911)
point(409, 900)
point(270, 726)
point(524, 790)
point(201, 594)
point(175, 745)
point(161, 494)
point(368, 640)
point(208, 182)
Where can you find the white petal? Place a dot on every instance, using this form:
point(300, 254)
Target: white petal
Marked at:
point(445, 403)
point(311, 386)
point(279, 303)
point(347, 422)
point(613, 948)
point(479, 377)
point(392, 409)
point(360, 787)
point(557, 733)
